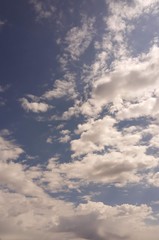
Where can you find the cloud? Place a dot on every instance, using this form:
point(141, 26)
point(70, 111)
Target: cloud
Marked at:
point(103, 222)
point(65, 136)
point(118, 168)
point(121, 13)
point(65, 139)
point(78, 39)
point(49, 218)
point(43, 9)
point(62, 88)
point(9, 150)
point(95, 136)
point(130, 80)
point(3, 88)
point(138, 74)
point(2, 24)
point(131, 87)
point(148, 107)
point(53, 178)
point(29, 212)
point(101, 133)
point(153, 179)
point(13, 176)
point(35, 107)
point(29, 217)
point(49, 140)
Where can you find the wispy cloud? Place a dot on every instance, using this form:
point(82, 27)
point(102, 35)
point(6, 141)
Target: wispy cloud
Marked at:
point(43, 9)
point(2, 23)
point(79, 38)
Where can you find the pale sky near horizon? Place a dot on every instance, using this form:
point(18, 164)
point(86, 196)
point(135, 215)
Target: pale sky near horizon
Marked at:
point(79, 125)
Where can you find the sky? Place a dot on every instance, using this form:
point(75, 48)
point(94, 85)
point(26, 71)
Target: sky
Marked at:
point(79, 120)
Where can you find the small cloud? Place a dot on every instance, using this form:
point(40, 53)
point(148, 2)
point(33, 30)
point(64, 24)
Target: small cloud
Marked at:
point(2, 24)
point(64, 139)
point(49, 140)
point(4, 88)
point(60, 126)
point(35, 107)
point(61, 89)
point(65, 136)
point(5, 132)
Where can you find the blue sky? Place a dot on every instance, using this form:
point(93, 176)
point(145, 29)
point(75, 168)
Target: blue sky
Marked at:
point(79, 126)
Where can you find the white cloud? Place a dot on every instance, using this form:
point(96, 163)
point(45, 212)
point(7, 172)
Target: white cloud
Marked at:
point(12, 175)
point(34, 106)
point(99, 134)
point(9, 150)
point(122, 12)
point(153, 179)
point(65, 139)
point(65, 136)
point(95, 135)
point(98, 221)
point(43, 217)
point(119, 168)
point(130, 80)
point(62, 88)
point(30, 217)
point(128, 86)
point(146, 107)
point(49, 140)
point(131, 77)
point(28, 212)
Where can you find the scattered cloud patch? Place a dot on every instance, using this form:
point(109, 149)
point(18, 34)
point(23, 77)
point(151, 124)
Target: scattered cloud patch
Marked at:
point(43, 9)
point(62, 88)
point(35, 107)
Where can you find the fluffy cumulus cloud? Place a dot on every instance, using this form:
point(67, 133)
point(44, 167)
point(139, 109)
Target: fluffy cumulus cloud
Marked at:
point(96, 135)
point(132, 79)
point(116, 167)
point(99, 221)
point(56, 219)
point(12, 176)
